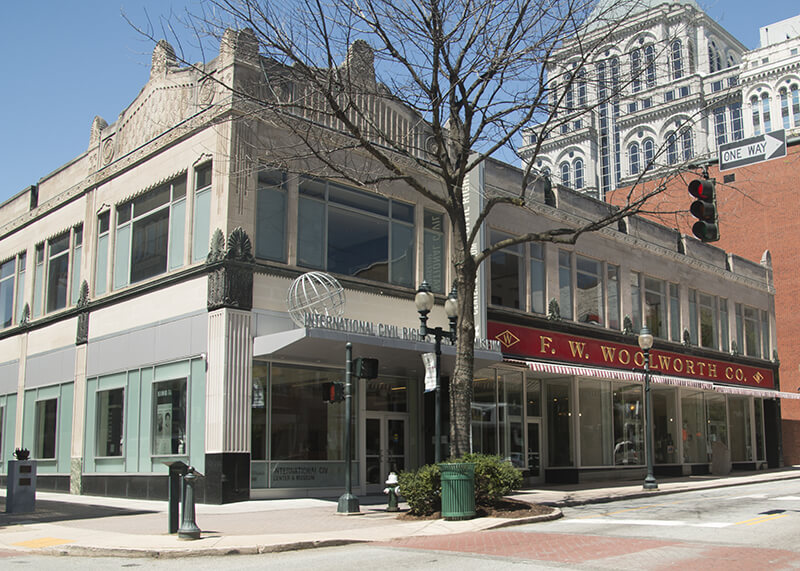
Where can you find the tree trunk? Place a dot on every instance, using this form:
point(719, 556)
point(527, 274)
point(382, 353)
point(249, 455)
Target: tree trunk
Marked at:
point(461, 383)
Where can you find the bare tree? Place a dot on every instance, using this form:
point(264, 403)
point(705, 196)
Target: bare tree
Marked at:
point(421, 93)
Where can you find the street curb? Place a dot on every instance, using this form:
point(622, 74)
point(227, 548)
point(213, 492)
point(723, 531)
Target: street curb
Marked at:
point(659, 492)
point(555, 514)
point(175, 553)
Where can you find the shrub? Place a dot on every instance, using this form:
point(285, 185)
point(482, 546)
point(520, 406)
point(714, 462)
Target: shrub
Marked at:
point(494, 477)
point(422, 489)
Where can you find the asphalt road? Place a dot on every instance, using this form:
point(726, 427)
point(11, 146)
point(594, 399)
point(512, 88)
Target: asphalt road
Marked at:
point(741, 527)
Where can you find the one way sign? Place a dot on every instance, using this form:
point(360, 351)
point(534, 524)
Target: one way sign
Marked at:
point(753, 150)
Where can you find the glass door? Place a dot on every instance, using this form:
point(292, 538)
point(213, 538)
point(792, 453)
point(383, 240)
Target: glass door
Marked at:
point(385, 438)
point(534, 451)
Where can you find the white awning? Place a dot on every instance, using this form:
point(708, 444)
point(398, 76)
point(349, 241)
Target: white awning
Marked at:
point(638, 376)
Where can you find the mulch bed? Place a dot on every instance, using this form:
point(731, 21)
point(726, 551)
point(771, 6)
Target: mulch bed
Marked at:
point(504, 507)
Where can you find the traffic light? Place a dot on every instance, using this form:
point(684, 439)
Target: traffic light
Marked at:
point(332, 392)
point(365, 368)
point(704, 209)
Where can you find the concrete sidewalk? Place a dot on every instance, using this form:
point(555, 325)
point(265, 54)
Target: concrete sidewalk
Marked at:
point(90, 525)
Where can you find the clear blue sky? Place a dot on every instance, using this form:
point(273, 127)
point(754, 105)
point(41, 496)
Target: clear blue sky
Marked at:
point(66, 62)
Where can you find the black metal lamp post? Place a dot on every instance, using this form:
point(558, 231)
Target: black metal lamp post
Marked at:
point(645, 344)
point(424, 302)
point(348, 503)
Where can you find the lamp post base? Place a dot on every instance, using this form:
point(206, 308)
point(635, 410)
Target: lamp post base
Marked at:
point(348, 505)
point(650, 483)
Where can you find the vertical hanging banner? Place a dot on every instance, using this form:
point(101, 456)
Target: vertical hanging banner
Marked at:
point(429, 360)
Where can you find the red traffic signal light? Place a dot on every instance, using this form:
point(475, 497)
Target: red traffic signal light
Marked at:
point(704, 209)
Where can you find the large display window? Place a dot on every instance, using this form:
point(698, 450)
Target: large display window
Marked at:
point(169, 418)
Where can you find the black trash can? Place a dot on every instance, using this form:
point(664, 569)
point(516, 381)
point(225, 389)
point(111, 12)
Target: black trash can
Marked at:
point(458, 491)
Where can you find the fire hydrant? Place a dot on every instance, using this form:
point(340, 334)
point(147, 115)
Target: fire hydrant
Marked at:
point(393, 489)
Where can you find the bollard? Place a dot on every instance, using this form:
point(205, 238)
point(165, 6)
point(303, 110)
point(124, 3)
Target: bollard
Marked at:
point(393, 489)
point(176, 472)
point(188, 529)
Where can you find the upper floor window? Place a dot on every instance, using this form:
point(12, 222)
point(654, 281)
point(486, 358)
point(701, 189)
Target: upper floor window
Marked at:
point(737, 125)
point(271, 215)
point(687, 144)
point(672, 148)
point(507, 273)
point(12, 290)
point(784, 96)
point(150, 233)
point(587, 288)
point(650, 60)
point(57, 272)
point(676, 59)
point(582, 88)
point(101, 265)
point(201, 232)
point(714, 58)
point(765, 112)
point(565, 283)
point(752, 331)
point(578, 168)
point(565, 173)
point(719, 125)
point(351, 232)
point(633, 157)
point(588, 291)
point(795, 93)
point(636, 71)
point(537, 277)
point(756, 115)
point(649, 153)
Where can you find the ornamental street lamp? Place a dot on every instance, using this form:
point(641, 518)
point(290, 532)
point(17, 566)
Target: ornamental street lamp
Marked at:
point(645, 344)
point(424, 302)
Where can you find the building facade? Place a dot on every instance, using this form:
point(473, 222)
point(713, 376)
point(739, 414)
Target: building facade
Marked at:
point(730, 93)
point(145, 317)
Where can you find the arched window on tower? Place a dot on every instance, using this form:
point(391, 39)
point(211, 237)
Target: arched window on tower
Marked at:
point(578, 168)
point(765, 114)
point(687, 144)
point(636, 70)
point(565, 173)
point(649, 148)
point(677, 60)
point(795, 92)
point(784, 95)
point(634, 164)
point(756, 115)
point(650, 61)
point(672, 148)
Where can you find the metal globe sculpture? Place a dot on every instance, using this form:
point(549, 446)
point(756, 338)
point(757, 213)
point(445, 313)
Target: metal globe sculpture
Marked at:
point(315, 293)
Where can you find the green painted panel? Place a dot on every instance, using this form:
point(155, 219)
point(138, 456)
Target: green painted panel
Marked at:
point(64, 438)
point(90, 426)
point(112, 381)
point(9, 404)
point(197, 415)
point(133, 436)
point(172, 371)
point(145, 418)
point(28, 414)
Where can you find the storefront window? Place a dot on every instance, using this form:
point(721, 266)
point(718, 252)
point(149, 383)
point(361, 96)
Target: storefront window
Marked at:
point(595, 422)
point(559, 424)
point(169, 418)
point(387, 394)
point(484, 417)
point(258, 441)
point(665, 425)
point(46, 424)
point(512, 442)
point(694, 428)
point(304, 427)
point(110, 419)
point(741, 442)
point(533, 395)
point(716, 420)
point(628, 425)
